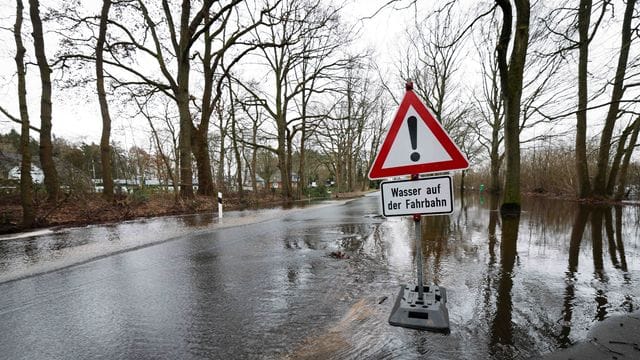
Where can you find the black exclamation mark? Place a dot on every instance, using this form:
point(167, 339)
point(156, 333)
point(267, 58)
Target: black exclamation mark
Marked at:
point(412, 122)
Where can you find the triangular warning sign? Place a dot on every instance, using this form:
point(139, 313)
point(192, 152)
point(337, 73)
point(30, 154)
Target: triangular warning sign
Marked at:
point(416, 143)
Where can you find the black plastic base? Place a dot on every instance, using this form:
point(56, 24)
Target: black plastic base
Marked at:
point(430, 313)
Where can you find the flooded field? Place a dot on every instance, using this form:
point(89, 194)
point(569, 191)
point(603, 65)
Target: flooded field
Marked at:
point(518, 288)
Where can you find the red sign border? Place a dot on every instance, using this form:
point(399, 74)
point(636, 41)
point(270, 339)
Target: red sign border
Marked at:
point(458, 160)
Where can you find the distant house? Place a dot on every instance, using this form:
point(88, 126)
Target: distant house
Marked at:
point(7, 162)
point(37, 176)
point(248, 185)
point(277, 180)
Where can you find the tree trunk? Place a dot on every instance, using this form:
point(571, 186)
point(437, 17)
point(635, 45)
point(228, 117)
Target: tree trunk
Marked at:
point(203, 162)
point(165, 160)
point(358, 173)
point(26, 183)
point(302, 171)
point(349, 166)
point(511, 75)
point(184, 142)
point(617, 160)
point(176, 156)
point(46, 146)
point(600, 179)
point(339, 172)
point(494, 171)
point(200, 133)
point(223, 133)
point(289, 164)
point(622, 178)
point(302, 176)
point(285, 177)
point(105, 148)
point(349, 145)
point(284, 173)
point(582, 169)
point(254, 156)
point(234, 141)
point(182, 99)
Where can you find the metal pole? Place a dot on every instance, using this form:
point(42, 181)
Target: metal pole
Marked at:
point(417, 221)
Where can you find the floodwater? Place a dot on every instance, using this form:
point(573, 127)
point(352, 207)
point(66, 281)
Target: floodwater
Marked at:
point(265, 284)
point(28, 254)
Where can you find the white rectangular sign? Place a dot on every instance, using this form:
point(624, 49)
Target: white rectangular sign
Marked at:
point(427, 196)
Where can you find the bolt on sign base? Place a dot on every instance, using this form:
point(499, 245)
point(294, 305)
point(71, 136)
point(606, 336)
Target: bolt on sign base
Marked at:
point(430, 313)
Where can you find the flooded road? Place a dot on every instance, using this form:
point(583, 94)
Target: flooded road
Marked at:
point(265, 284)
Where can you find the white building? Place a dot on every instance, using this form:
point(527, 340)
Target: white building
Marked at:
point(37, 176)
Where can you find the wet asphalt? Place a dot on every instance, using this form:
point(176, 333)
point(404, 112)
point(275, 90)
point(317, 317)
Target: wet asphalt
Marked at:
point(316, 282)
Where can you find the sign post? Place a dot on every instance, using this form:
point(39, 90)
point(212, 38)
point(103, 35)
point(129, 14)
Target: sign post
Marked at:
point(417, 221)
point(415, 144)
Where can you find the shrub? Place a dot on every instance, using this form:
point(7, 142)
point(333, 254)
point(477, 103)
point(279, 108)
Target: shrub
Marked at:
point(139, 196)
point(319, 192)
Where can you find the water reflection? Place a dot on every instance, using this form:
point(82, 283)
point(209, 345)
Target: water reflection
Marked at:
point(619, 242)
point(491, 231)
point(519, 285)
point(198, 220)
point(436, 231)
point(608, 222)
point(502, 326)
point(596, 246)
point(603, 224)
point(577, 232)
point(31, 250)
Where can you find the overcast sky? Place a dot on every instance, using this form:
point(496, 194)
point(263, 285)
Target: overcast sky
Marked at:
point(76, 112)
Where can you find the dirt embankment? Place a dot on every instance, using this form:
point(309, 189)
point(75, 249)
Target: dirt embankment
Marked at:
point(93, 209)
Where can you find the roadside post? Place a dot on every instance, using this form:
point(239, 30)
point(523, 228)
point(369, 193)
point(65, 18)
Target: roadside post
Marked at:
point(417, 144)
point(219, 205)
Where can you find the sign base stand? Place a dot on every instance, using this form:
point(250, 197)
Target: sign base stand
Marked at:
point(430, 313)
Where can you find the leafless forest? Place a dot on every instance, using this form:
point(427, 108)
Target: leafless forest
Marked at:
point(278, 97)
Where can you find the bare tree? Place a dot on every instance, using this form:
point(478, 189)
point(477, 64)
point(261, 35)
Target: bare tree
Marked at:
point(353, 123)
point(438, 42)
point(26, 185)
point(540, 90)
point(584, 19)
point(144, 107)
point(223, 126)
point(490, 113)
point(586, 32)
point(298, 20)
point(511, 80)
point(46, 146)
point(626, 160)
point(201, 32)
point(105, 149)
point(221, 58)
point(563, 24)
point(432, 62)
point(235, 132)
point(600, 179)
point(257, 121)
